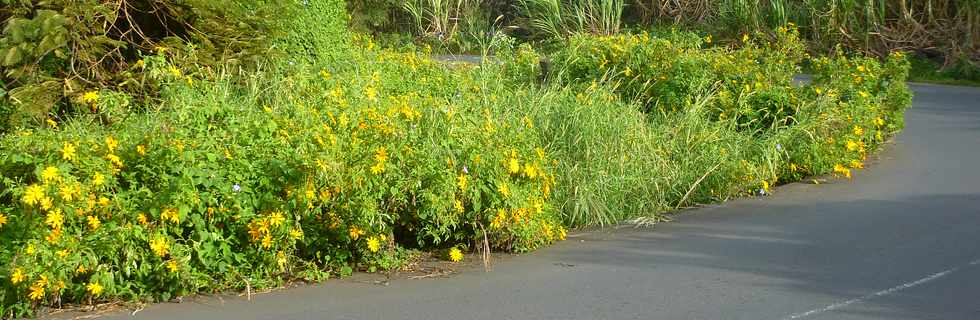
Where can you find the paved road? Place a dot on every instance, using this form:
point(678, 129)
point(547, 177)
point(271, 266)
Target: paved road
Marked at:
point(902, 241)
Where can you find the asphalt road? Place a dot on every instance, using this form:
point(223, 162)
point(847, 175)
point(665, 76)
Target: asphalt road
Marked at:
point(900, 241)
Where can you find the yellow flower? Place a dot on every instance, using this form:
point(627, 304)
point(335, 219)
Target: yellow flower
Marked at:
point(458, 205)
point(707, 39)
point(461, 181)
point(863, 94)
point(745, 37)
point(267, 241)
point(97, 179)
point(111, 144)
point(160, 246)
point(793, 167)
point(141, 218)
point(176, 72)
point(381, 155)
point(530, 171)
point(499, 219)
point(373, 244)
point(170, 214)
point(861, 69)
point(90, 97)
point(81, 269)
point(114, 159)
point(3, 220)
point(141, 150)
point(455, 255)
point(33, 195)
point(94, 288)
point(103, 201)
point(857, 164)
point(371, 93)
point(276, 219)
point(765, 186)
point(67, 193)
point(296, 234)
point(54, 236)
point(858, 131)
point(852, 146)
point(50, 174)
point(840, 169)
point(93, 222)
point(68, 151)
point(504, 190)
point(37, 292)
point(355, 233)
point(378, 168)
point(46, 203)
point(173, 266)
point(879, 121)
point(30, 249)
point(18, 276)
point(62, 253)
point(513, 165)
point(55, 219)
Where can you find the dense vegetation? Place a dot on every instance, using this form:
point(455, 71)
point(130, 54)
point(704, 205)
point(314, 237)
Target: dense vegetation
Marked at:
point(198, 161)
point(939, 35)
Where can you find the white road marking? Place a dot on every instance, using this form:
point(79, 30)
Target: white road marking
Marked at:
point(882, 292)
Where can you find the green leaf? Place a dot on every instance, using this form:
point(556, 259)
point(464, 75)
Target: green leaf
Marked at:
point(12, 57)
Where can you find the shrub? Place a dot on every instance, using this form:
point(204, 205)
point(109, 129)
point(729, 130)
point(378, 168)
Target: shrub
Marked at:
point(341, 156)
point(696, 125)
point(754, 82)
point(54, 52)
point(236, 182)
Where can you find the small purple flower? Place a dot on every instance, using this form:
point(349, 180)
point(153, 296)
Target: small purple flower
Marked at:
point(466, 169)
point(236, 188)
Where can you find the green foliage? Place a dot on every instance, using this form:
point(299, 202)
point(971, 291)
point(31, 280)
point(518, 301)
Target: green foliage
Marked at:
point(729, 123)
point(369, 16)
point(297, 172)
point(961, 72)
point(315, 30)
point(753, 82)
point(943, 28)
point(558, 19)
point(208, 171)
point(55, 51)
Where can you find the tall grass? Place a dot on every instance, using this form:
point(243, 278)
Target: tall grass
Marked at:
point(439, 17)
point(559, 18)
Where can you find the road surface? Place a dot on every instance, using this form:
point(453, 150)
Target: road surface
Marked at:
point(901, 241)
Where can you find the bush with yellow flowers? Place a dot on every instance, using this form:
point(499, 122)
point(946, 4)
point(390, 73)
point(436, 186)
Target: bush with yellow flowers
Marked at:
point(300, 172)
point(663, 71)
point(318, 167)
point(694, 123)
point(859, 103)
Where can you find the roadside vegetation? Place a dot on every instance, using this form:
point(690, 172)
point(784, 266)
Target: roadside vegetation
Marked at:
point(241, 150)
point(941, 37)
